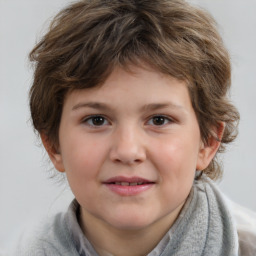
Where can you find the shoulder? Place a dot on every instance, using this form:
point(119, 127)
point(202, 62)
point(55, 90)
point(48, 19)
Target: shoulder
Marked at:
point(245, 220)
point(51, 237)
point(245, 224)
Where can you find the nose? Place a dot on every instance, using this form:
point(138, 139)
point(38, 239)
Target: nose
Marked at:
point(127, 146)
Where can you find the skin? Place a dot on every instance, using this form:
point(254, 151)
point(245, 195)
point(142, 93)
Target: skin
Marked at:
point(145, 127)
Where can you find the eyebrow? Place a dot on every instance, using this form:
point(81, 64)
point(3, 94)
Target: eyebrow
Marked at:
point(147, 107)
point(95, 105)
point(156, 106)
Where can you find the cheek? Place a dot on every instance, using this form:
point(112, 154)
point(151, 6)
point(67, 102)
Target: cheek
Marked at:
point(176, 152)
point(82, 158)
point(175, 160)
point(82, 162)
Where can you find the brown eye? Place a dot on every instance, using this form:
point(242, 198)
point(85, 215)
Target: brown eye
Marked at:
point(159, 120)
point(96, 121)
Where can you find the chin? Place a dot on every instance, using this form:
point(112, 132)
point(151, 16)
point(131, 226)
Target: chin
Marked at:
point(129, 221)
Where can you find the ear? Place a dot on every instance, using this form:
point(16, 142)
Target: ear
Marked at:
point(53, 153)
point(208, 151)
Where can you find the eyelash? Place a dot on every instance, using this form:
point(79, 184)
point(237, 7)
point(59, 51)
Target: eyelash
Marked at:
point(167, 120)
point(89, 120)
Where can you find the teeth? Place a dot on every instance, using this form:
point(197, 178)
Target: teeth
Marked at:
point(128, 184)
point(125, 183)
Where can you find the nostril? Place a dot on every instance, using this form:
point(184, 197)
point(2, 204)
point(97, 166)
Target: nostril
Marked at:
point(127, 152)
point(128, 161)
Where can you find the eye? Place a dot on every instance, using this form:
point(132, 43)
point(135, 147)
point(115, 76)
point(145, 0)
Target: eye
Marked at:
point(159, 120)
point(96, 121)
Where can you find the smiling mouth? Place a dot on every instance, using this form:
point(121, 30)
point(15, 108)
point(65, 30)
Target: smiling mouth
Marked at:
point(130, 183)
point(132, 186)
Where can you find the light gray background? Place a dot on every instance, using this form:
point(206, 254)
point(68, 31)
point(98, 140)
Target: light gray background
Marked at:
point(26, 193)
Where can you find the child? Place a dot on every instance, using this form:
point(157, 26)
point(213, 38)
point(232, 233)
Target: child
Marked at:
point(130, 100)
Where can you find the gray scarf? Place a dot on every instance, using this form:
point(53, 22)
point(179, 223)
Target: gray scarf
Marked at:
point(204, 227)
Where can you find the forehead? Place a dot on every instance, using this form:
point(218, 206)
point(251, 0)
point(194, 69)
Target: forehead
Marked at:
point(134, 88)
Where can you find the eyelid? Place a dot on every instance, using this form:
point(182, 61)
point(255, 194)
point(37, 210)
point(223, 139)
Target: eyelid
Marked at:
point(90, 117)
point(166, 117)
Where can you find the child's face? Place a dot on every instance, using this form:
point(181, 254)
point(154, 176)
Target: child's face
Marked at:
point(130, 148)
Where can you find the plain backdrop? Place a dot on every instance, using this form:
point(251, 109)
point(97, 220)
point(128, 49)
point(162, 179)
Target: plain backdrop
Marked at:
point(26, 191)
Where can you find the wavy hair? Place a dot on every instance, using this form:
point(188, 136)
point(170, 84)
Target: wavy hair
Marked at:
point(89, 38)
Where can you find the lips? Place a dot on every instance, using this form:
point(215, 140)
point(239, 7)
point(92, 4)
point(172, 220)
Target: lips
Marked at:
point(127, 181)
point(128, 186)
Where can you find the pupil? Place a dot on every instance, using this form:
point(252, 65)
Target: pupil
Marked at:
point(98, 120)
point(159, 120)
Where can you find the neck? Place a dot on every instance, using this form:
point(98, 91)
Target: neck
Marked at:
point(108, 240)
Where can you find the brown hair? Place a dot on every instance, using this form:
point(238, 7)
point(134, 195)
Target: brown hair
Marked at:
point(89, 38)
